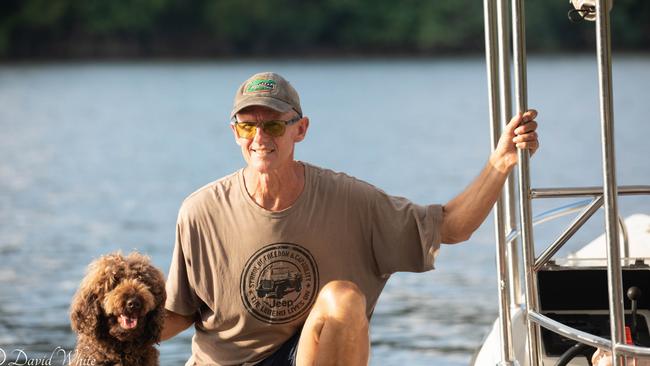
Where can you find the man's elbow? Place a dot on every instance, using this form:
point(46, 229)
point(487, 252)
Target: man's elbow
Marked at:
point(452, 234)
point(453, 229)
point(454, 238)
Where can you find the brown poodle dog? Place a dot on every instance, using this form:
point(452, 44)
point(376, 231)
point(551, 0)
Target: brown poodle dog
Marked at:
point(118, 312)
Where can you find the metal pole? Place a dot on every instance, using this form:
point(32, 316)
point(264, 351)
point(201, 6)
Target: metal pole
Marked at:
point(503, 15)
point(571, 333)
point(626, 241)
point(568, 233)
point(586, 191)
point(532, 301)
point(505, 325)
point(614, 276)
point(513, 245)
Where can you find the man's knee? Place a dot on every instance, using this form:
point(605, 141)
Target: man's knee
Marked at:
point(344, 299)
point(336, 331)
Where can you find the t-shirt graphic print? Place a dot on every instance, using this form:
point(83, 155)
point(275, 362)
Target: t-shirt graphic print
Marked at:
point(279, 283)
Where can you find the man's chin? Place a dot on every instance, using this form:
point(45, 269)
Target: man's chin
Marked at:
point(268, 165)
point(261, 166)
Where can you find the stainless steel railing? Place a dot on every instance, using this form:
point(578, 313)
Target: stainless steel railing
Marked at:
point(497, 35)
point(586, 338)
point(585, 191)
point(569, 332)
point(614, 274)
point(568, 233)
point(496, 103)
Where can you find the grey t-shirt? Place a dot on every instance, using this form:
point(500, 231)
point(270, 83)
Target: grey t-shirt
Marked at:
point(252, 275)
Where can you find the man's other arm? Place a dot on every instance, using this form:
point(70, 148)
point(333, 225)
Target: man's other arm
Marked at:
point(174, 324)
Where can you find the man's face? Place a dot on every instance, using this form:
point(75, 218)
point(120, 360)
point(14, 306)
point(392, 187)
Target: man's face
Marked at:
point(265, 153)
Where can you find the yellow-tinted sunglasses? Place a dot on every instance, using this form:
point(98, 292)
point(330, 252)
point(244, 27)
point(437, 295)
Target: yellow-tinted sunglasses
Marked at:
point(277, 128)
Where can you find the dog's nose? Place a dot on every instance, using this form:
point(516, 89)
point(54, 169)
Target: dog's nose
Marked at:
point(133, 304)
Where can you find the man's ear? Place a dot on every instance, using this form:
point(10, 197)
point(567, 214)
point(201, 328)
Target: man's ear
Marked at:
point(234, 131)
point(303, 126)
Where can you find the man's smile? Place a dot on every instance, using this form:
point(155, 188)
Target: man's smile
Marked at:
point(263, 151)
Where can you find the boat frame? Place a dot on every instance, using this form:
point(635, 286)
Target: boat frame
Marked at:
point(499, 25)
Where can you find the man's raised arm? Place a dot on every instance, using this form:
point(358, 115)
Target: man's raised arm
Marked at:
point(465, 212)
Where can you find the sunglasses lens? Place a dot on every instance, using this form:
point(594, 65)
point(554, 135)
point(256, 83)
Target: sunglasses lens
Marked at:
point(245, 130)
point(274, 128)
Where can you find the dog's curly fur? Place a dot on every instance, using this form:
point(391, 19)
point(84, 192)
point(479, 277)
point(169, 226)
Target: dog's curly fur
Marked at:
point(118, 312)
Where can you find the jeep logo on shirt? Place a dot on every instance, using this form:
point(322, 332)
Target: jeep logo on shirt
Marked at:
point(279, 283)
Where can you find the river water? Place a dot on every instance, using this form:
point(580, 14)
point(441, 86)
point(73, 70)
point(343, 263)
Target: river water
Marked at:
point(96, 157)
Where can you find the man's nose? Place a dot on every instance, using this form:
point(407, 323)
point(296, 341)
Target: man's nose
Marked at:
point(260, 134)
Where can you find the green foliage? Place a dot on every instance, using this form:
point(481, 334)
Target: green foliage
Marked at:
point(455, 25)
point(62, 28)
point(631, 24)
point(262, 26)
point(108, 17)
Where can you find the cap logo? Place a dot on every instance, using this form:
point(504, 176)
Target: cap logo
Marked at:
point(260, 86)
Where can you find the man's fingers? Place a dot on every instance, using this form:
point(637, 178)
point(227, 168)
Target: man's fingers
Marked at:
point(527, 140)
point(526, 128)
point(532, 136)
point(514, 122)
point(530, 115)
point(531, 145)
point(520, 119)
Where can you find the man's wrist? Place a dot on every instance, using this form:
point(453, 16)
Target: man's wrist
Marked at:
point(502, 163)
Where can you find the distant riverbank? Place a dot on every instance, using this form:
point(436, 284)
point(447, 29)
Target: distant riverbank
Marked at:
point(168, 29)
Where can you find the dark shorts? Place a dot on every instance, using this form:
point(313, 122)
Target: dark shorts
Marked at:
point(286, 355)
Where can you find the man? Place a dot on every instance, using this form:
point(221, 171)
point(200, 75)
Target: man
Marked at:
point(282, 262)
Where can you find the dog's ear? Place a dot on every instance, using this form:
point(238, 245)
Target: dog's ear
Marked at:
point(156, 282)
point(85, 313)
point(154, 325)
point(103, 275)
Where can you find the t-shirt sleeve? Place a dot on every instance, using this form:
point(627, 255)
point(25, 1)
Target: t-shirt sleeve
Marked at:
point(405, 236)
point(181, 297)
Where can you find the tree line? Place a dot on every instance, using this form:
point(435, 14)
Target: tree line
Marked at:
point(242, 28)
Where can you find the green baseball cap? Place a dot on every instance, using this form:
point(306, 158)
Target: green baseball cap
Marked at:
point(266, 89)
